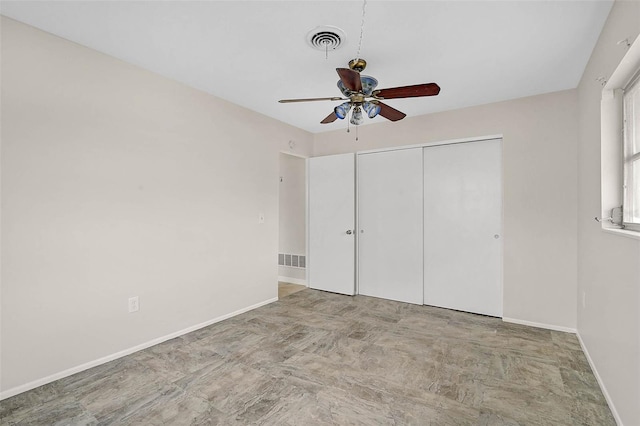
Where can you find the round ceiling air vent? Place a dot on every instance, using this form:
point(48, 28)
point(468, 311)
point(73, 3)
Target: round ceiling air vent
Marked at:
point(326, 37)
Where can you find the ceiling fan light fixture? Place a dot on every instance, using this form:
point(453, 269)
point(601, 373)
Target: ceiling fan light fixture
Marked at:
point(371, 109)
point(343, 89)
point(368, 84)
point(356, 117)
point(342, 110)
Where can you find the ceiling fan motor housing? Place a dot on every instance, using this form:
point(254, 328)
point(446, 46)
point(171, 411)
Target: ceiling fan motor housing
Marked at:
point(357, 64)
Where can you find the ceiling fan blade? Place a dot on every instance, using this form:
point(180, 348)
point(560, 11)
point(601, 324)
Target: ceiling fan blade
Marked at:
point(335, 98)
point(350, 79)
point(330, 118)
point(428, 89)
point(390, 113)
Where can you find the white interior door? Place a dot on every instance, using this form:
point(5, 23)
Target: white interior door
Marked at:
point(331, 261)
point(463, 226)
point(390, 225)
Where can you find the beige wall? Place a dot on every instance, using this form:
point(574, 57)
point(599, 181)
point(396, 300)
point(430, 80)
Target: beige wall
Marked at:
point(292, 211)
point(608, 265)
point(117, 182)
point(539, 179)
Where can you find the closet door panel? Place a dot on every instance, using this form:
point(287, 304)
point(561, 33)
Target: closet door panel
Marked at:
point(390, 225)
point(463, 227)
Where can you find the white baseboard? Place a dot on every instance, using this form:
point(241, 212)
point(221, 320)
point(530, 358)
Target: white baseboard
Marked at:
point(540, 325)
point(299, 281)
point(603, 388)
point(73, 370)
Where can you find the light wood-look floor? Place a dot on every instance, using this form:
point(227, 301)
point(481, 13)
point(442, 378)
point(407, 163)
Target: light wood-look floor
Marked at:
point(318, 358)
point(286, 289)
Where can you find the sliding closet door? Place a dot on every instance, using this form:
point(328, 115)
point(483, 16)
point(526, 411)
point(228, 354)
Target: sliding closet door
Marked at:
point(331, 259)
point(390, 225)
point(463, 227)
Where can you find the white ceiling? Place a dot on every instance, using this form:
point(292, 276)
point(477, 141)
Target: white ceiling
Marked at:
point(254, 53)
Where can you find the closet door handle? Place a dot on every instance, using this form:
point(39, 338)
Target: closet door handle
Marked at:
point(349, 232)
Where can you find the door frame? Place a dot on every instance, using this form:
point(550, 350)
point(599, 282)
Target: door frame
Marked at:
point(435, 143)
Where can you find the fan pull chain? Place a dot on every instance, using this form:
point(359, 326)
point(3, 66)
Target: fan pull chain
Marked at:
point(357, 133)
point(364, 5)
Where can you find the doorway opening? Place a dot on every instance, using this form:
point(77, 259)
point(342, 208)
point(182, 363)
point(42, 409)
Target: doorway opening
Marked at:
point(292, 242)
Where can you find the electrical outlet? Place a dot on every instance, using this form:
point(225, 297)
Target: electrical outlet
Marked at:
point(260, 217)
point(133, 304)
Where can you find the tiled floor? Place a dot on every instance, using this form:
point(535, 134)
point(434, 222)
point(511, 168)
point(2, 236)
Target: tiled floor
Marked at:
point(319, 358)
point(286, 289)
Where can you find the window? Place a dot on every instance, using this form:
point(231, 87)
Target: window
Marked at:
point(620, 147)
point(631, 166)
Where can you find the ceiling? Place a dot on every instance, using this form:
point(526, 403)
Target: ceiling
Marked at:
point(253, 53)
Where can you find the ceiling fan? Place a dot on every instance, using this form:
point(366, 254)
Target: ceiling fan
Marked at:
point(361, 95)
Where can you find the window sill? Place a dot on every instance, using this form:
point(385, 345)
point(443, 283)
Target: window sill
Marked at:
point(623, 233)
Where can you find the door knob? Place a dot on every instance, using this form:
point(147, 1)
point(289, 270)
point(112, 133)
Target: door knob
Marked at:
point(349, 232)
